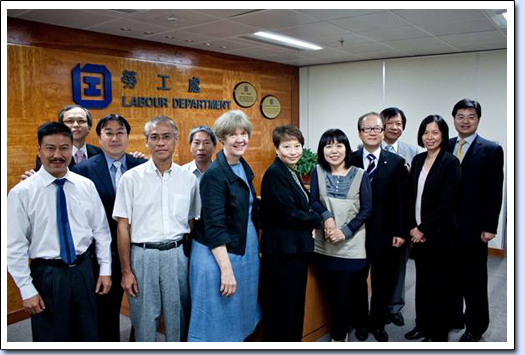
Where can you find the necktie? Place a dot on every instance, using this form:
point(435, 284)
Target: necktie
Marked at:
point(67, 247)
point(80, 156)
point(371, 166)
point(118, 173)
point(390, 148)
point(459, 153)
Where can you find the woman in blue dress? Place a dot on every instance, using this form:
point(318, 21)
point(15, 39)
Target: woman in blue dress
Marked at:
point(224, 262)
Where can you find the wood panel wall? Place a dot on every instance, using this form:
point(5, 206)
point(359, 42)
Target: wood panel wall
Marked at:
point(40, 59)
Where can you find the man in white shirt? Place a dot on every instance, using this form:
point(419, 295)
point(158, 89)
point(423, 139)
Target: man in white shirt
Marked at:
point(202, 145)
point(155, 206)
point(53, 218)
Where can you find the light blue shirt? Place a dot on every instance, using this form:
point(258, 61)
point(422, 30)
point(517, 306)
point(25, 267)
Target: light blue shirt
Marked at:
point(113, 170)
point(466, 146)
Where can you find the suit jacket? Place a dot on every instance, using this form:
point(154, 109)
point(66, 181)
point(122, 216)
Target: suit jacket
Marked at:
point(405, 150)
point(91, 152)
point(225, 206)
point(96, 169)
point(440, 197)
point(481, 189)
point(388, 202)
point(286, 218)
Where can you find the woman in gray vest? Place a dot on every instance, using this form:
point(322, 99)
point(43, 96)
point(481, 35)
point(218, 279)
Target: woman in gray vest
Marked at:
point(342, 196)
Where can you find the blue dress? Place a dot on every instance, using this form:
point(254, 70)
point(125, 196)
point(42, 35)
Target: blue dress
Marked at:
point(213, 316)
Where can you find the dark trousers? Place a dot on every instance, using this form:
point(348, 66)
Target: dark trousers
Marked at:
point(284, 279)
point(433, 289)
point(348, 296)
point(383, 274)
point(69, 297)
point(472, 279)
point(397, 302)
point(108, 305)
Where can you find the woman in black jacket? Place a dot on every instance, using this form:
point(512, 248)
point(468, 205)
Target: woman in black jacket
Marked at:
point(287, 222)
point(433, 190)
point(224, 261)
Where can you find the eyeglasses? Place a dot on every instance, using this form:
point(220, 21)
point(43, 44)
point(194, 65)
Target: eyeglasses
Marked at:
point(370, 129)
point(165, 137)
point(465, 118)
point(71, 121)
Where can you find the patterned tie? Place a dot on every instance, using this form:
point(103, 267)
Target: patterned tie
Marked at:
point(80, 156)
point(67, 247)
point(390, 148)
point(118, 173)
point(459, 153)
point(371, 170)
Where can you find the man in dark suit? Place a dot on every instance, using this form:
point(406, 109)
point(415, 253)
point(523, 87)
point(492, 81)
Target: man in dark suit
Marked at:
point(105, 171)
point(385, 227)
point(481, 196)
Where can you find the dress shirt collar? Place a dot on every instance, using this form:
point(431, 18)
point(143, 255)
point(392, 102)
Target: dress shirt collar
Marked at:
point(83, 148)
point(47, 179)
point(151, 168)
point(468, 140)
point(395, 146)
point(110, 161)
point(376, 153)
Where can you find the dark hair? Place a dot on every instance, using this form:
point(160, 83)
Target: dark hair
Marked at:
point(362, 118)
point(392, 112)
point(466, 104)
point(286, 132)
point(205, 129)
point(112, 117)
point(70, 107)
point(331, 136)
point(442, 125)
point(51, 128)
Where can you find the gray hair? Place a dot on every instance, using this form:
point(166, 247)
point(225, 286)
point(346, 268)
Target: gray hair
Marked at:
point(204, 129)
point(161, 119)
point(229, 122)
point(362, 118)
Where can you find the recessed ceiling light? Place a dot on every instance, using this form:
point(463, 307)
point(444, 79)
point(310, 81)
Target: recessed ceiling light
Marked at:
point(148, 33)
point(189, 40)
point(288, 41)
point(125, 29)
point(207, 44)
point(224, 47)
point(171, 18)
point(169, 37)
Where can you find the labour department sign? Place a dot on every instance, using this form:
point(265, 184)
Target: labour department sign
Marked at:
point(91, 86)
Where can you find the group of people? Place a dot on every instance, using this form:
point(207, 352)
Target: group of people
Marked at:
point(183, 243)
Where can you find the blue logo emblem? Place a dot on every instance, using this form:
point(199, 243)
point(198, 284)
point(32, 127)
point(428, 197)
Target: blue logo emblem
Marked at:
point(91, 86)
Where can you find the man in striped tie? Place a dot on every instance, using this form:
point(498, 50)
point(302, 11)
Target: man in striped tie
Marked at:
point(384, 228)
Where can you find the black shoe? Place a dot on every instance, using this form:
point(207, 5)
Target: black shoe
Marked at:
point(379, 334)
point(468, 336)
point(414, 334)
point(396, 318)
point(361, 334)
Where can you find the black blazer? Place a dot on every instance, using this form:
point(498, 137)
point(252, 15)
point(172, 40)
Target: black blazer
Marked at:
point(440, 197)
point(481, 189)
point(96, 169)
point(286, 218)
point(91, 152)
point(388, 202)
point(225, 206)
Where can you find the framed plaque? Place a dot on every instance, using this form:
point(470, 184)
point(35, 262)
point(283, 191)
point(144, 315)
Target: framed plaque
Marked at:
point(244, 94)
point(270, 107)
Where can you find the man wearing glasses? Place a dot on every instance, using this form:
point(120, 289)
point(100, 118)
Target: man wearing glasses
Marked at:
point(384, 228)
point(481, 196)
point(155, 206)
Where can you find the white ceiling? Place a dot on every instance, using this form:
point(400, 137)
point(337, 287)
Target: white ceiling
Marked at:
point(346, 34)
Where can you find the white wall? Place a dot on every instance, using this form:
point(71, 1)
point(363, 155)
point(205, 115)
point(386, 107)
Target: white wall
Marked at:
point(335, 95)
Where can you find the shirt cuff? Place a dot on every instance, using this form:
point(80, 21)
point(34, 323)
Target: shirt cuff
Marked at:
point(326, 215)
point(347, 232)
point(105, 269)
point(28, 291)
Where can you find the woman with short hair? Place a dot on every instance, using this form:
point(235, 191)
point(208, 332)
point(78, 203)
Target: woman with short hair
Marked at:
point(287, 223)
point(224, 262)
point(342, 196)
